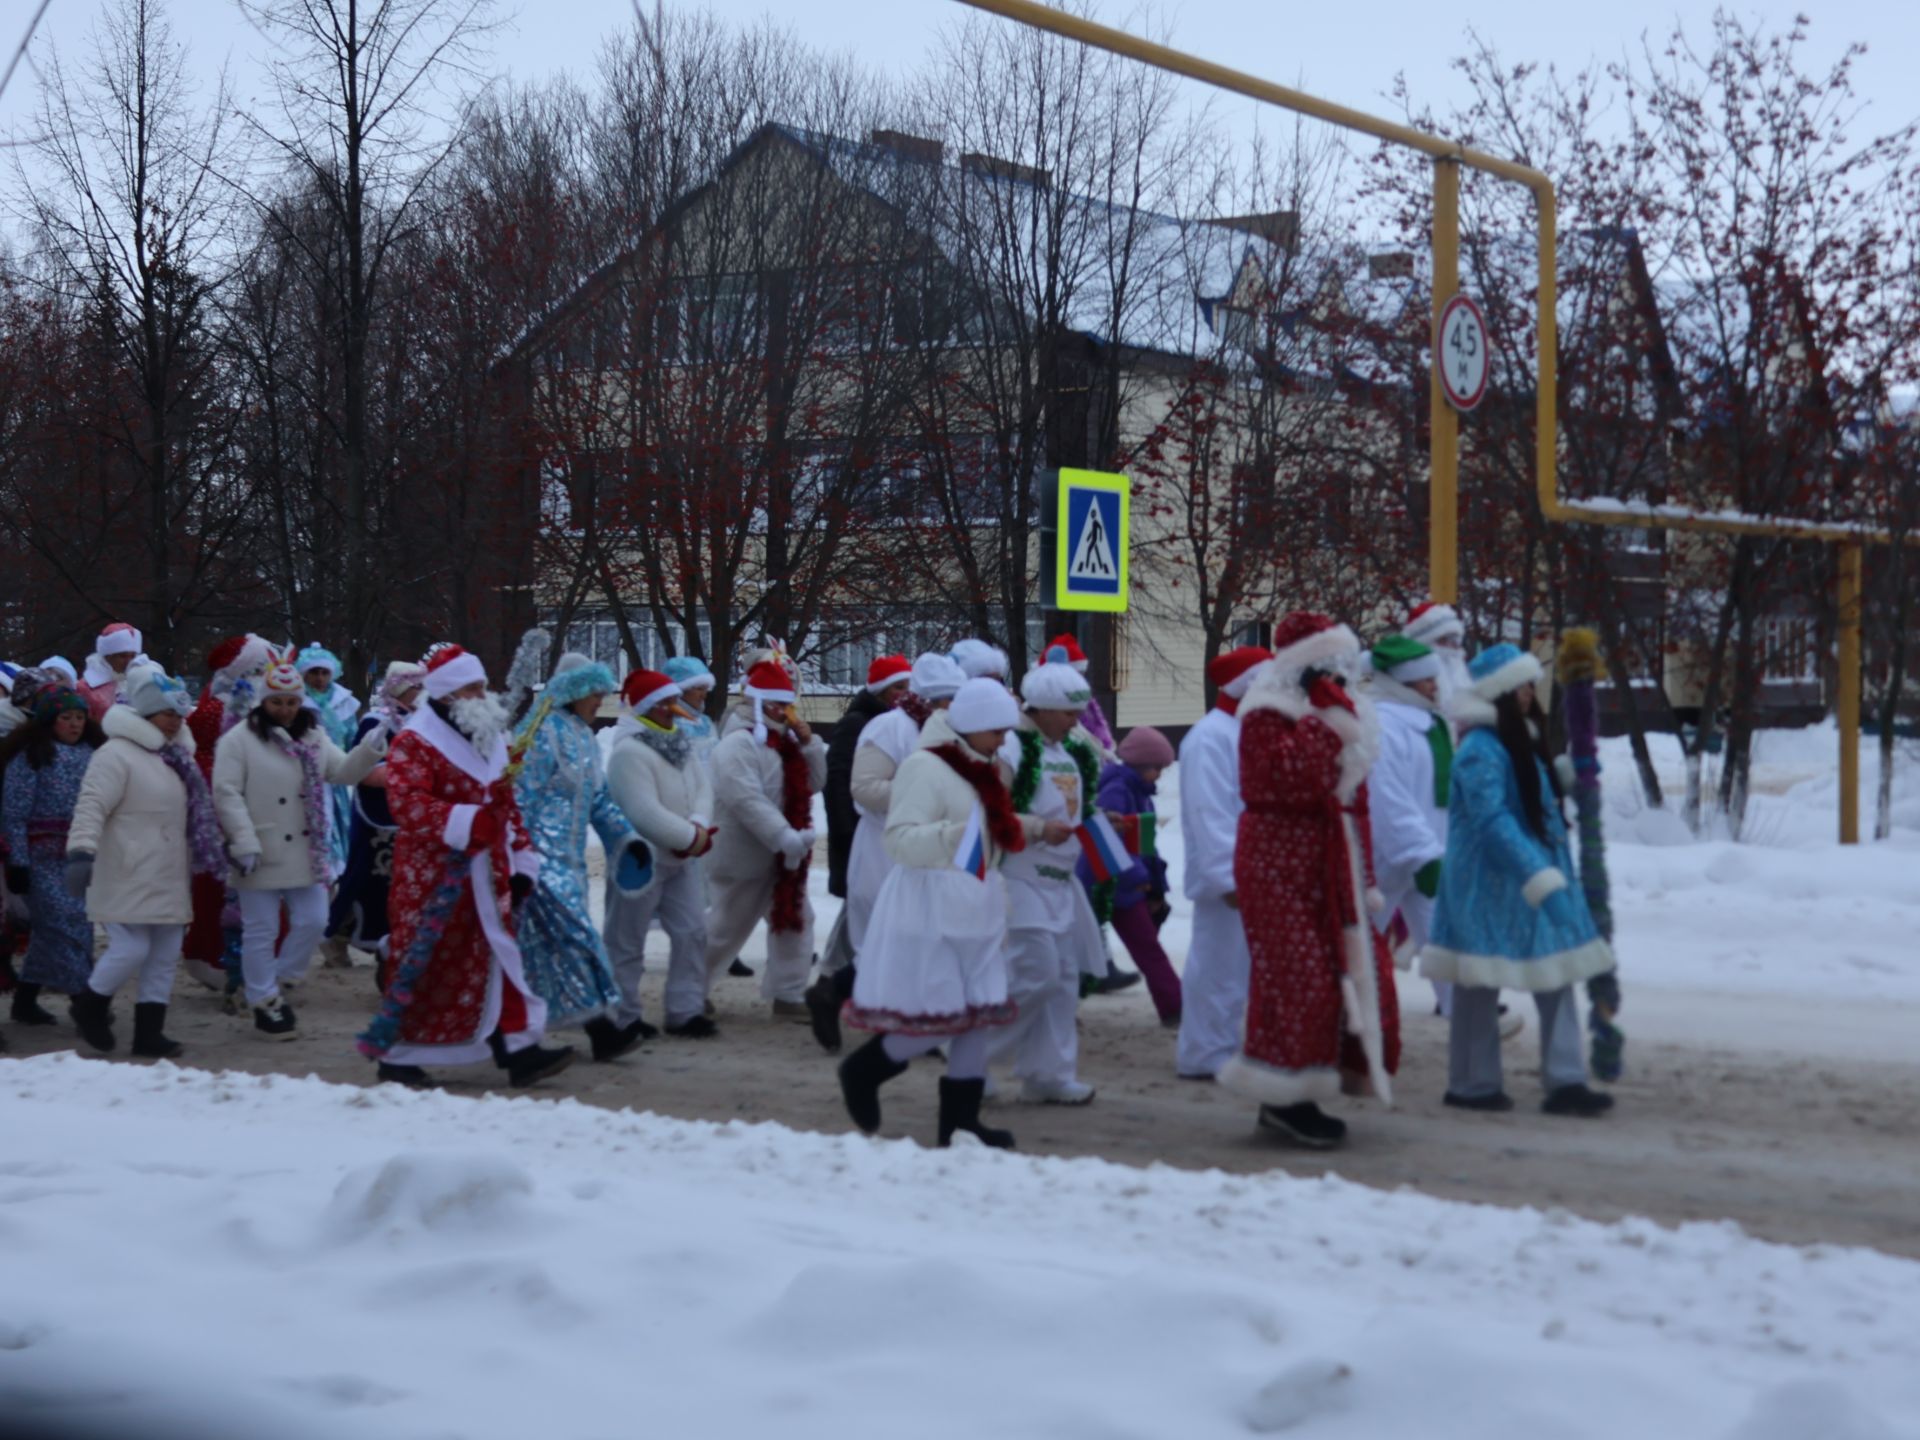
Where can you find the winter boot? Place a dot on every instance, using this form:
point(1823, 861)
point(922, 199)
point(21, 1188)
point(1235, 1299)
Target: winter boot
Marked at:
point(27, 1009)
point(960, 1110)
point(1577, 1100)
point(149, 1021)
point(93, 1017)
point(862, 1074)
point(1498, 1103)
point(740, 970)
point(535, 1063)
point(1305, 1124)
point(823, 1010)
point(411, 1076)
point(275, 1019)
point(1117, 980)
point(611, 1041)
point(700, 1027)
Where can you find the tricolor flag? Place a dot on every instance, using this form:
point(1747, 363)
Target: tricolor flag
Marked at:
point(1138, 832)
point(1107, 857)
point(972, 854)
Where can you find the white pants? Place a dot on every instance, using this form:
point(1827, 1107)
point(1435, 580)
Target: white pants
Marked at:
point(260, 928)
point(677, 903)
point(1043, 1042)
point(739, 905)
point(150, 951)
point(1213, 990)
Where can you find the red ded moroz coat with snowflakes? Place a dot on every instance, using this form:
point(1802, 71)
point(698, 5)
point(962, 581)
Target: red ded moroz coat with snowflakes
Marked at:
point(1321, 1003)
point(438, 787)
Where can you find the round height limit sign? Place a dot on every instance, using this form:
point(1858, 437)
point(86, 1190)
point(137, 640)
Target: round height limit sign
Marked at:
point(1465, 356)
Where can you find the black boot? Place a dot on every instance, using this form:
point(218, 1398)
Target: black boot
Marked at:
point(611, 1041)
point(149, 1020)
point(960, 1110)
point(534, 1064)
point(27, 1009)
point(93, 1018)
point(740, 970)
point(1306, 1123)
point(823, 1013)
point(1577, 1100)
point(411, 1076)
point(861, 1075)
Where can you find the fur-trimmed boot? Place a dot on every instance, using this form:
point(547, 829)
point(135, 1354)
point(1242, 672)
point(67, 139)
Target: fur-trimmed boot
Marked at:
point(149, 1039)
point(960, 1110)
point(861, 1075)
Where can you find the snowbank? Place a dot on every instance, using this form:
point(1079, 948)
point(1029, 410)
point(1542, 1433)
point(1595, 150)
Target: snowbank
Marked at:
point(392, 1265)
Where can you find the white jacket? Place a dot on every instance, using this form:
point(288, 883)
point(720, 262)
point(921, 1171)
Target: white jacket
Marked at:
point(257, 792)
point(1210, 804)
point(931, 804)
point(747, 791)
point(132, 818)
point(662, 801)
point(1409, 829)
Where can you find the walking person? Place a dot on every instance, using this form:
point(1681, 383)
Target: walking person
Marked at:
point(1052, 936)
point(767, 768)
point(45, 763)
point(696, 683)
point(115, 652)
point(934, 972)
point(1213, 988)
point(1136, 904)
point(1506, 916)
point(887, 678)
point(562, 792)
point(273, 779)
point(143, 825)
point(211, 950)
point(1322, 1013)
point(665, 793)
point(359, 911)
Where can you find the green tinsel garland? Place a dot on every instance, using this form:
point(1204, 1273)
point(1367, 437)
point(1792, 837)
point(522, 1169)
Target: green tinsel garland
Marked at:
point(1026, 784)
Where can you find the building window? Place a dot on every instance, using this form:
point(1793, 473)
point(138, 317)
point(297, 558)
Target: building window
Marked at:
point(1789, 650)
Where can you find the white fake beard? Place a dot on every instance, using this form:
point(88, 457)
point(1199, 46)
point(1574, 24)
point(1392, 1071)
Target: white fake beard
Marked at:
point(483, 719)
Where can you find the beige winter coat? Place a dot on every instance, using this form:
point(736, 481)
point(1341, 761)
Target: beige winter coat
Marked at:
point(132, 818)
point(257, 792)
point(747, 788)
point(662, 801)
point(931, 803)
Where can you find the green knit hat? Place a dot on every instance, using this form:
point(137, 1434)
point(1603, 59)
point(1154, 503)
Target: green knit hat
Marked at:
point(1404, 660)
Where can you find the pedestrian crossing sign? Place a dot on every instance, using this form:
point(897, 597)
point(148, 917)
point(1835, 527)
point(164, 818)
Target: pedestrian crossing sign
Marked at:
point(1092, 540)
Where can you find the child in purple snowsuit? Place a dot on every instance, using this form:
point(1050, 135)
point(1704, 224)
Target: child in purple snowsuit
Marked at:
point(1140, 895)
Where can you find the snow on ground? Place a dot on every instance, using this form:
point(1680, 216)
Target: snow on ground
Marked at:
point(268, 1251)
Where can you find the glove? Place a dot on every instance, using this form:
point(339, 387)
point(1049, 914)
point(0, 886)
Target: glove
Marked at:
point(246, 864)
point(79, 874)
point(19, 879)
point(797, 847)
point(1427, 879)
point(484, 831)
point(519, 888)
point(1544, 885)
point(702, 843)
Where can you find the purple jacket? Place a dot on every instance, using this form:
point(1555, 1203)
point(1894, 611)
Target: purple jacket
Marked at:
point(1123, 792)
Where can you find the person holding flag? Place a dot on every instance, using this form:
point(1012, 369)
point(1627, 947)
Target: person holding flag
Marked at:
point(934, 968)
point(1133, 886)
point(1052, 936)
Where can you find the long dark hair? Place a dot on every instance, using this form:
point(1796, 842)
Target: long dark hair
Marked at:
point(263, 725)
point(1524, 745)
point(35, 739)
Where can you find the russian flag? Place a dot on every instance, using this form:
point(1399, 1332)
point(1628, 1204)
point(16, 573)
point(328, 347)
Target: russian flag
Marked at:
point(1106, 856)
point(972, 854)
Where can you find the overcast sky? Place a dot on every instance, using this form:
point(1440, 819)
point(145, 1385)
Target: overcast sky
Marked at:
point(1345, 50)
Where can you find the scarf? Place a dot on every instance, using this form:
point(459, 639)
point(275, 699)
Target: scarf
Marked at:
point(318, 802)
point(1226, 704)
point(203, 826)
point(1440, 741)
point(918, 707)
point(796, 808)
point(673, 746)
point(1003, 824)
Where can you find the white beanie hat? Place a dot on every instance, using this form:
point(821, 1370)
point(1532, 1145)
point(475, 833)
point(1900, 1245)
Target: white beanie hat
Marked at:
point(1056, 685)
point(936, 677)
point(983, 704)
point(979, 659)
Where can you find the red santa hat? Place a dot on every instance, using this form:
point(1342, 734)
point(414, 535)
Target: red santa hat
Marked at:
point(1233, 672)
point(451, 670)
point(1305, 641)
point(1073, 654)
point(644, 689)
point(1433, 624)
point(888, 671)
point(769, 680)
point(118, 638)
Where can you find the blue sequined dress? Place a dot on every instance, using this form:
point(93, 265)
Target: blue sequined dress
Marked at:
point(561, 791)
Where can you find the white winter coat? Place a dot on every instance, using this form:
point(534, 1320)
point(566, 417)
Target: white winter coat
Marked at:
point(1409, 829)
point(747, 790)
point(257, 793)
point(1210, 804)
point(132, 818)
point(662, 801)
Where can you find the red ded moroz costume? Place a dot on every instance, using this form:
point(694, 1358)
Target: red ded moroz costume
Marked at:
point(1321, 1005)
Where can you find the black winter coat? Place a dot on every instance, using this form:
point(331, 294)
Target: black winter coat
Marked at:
point(841, 816)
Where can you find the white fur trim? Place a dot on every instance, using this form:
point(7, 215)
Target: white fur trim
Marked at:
point(1388, 690)
point(1423, 667)
point(1523, 669)
point(880, 687)
point(456, 674)
point(1330, 644)
point(1438, 621)
point(1236, 688)
point(1468, 711)
point(458, 831)
point(1550, 881)
point(1268, 1085)
point(118, 642)
point(1497, 972)
point(669, 691)
point(778, 697)
point(1359, 729)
